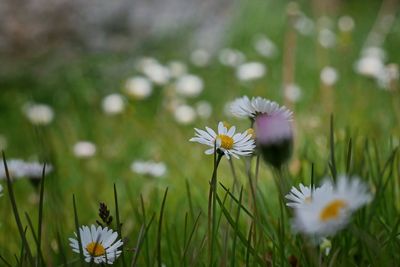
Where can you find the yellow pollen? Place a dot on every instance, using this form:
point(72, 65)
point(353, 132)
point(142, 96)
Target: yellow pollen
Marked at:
point(251, 132)
point(332, 210)
point(226, 141)
point(95, 249)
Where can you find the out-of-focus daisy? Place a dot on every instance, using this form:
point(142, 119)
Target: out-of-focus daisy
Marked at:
point(330, 210)
point(327, 38)
point(84, 149)
point(149, 168)
point(38, 114)
point(225, 141)
point(100, 245)
point(177, 68)
point(231, 57)
point(245, 108)
point(113, 104)
point(293, 92)
point(200, 57)
point(189, 85)
point(250, 71)
point(389, 77)
point(138, 87)
point(329, 76)
point(265, 47)
point(184, 114)
point(203, 109)
point(346, 24)
point(157, 73)
point(297, 197)
point(304, 25)
point(23, 169)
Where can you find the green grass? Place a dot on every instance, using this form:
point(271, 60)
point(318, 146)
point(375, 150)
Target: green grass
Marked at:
point(75, 86)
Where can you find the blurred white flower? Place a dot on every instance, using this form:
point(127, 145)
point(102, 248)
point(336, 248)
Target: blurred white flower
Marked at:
point(327, 38)
point(113, 104)
point(293, 93)
point(346, 24)
point(231, 57)
point(84, 149)
point(265, 47)
point(200, 58)
point(204, 109)
point(19, 168)
point(138, 87)
point(177, 68)
point(184, 114)
point(370, 64)
point(189, 85)
point(388, 77)
point(329, 75)
point(157, 73)
point(250, 71)
point(38, 114)
point(304, 25)
point(149, 168)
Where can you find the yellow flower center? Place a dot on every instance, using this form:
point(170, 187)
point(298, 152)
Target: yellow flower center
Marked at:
point(332, 210)
point(251, 132)
point(226, 141)
point(95, 249)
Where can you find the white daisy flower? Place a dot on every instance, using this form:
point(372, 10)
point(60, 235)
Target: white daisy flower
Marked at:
point(250, 71)
point(303, 196)
point(84, 149)
point(149, 168)
point(189, 85)
point(245, 108)
point(225, 141)
point(330, 210)
point(38, 114)
point(99, 245)
point(113, 104)
point(184, 114)
point(19, 169)
point(138, 87)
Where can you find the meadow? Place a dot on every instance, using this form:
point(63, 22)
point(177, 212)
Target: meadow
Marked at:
point(132, 151)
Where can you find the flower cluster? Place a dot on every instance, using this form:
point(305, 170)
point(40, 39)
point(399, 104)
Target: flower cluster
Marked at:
point(324, 210)
point(22, 169)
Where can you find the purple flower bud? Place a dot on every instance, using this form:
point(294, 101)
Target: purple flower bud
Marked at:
point(274, 136)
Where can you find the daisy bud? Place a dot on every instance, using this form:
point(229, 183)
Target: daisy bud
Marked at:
point(274, 138)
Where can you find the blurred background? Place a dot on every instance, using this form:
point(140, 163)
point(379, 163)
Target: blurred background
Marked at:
point(110, 91)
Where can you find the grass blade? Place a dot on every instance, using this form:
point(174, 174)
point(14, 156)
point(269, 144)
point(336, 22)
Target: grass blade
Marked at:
point(40, 219)
point(159, 262)
point(119, 225)
point(78, 233)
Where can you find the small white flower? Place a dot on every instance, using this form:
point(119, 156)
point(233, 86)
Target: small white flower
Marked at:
point(84, 149)
point(327, 38)
point(138, 87)
point(304, 25)
point(265, 47)
point(22, 169)
point(184, 114)
point(329, 76)
point(245, 108)
point(177, 68)
point(225, 141)
point(231, 57)
point(189, 85)
point(39, 114)
point(149, 168)
point(200, 57)
point(157, 73)
point(330, 210)
point(250, 71)
point(113, 104)
point(100, 245)
point(346, 24)
point(203, 109)
point(293, 92)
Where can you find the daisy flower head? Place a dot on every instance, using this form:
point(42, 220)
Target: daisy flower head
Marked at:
point(330, 210)
point(100, 245)
point(245, 108)
point(303, 195)
point(225, 141)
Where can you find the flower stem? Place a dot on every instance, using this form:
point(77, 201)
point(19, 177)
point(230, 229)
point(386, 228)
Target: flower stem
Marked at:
point(212, 207)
